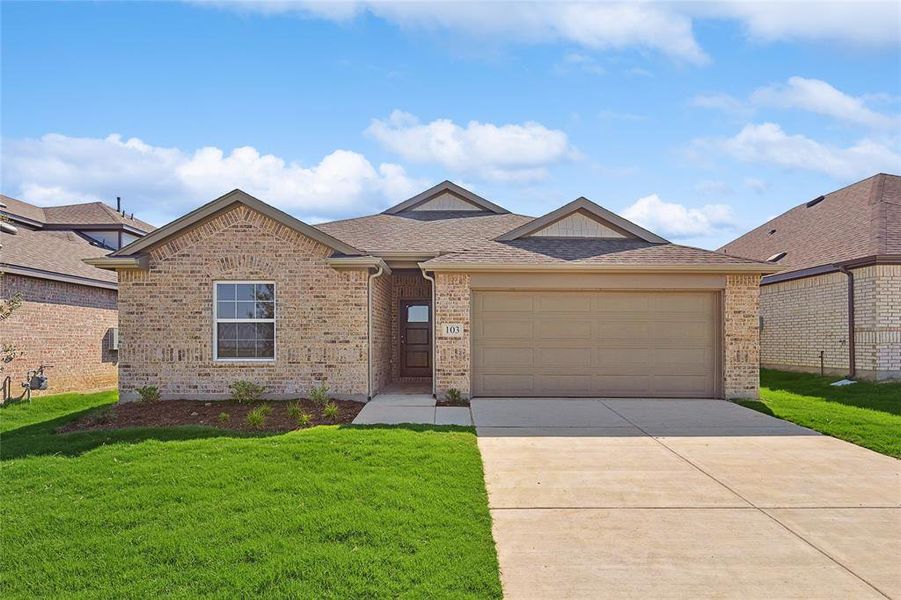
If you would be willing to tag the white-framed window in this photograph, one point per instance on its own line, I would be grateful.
(244, 320)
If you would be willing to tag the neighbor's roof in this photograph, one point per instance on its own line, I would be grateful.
(88, 213)
(859, 221)
(53, 255)
(556, 252)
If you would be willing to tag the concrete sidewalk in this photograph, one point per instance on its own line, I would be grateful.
(395, 409)
(683, 499)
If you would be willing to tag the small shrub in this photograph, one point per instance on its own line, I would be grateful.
(330, 411)
(256, 418)
(148, 393)
(453, 395)
(224, 417)
(294, 410)
(246, 392)
(319, 394)
(304, 419)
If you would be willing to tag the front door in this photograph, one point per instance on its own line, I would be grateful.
(415, 338)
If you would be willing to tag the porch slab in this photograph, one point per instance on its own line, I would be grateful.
(453, 415)
(402, 400)
(374, 414)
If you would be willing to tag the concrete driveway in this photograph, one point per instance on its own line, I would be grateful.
(683, 499)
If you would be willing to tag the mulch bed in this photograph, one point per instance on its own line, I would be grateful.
(446, 402)
(171, 413)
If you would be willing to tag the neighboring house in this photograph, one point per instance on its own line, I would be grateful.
(445, 288)
(68, 308)
(838, 253)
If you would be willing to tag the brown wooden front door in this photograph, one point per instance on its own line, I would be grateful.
(415, 338)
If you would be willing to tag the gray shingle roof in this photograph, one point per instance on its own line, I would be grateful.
(57, 252)
(559, 251)
(858, 221)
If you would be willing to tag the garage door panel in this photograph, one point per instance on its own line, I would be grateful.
(604, 344)
(505, 328)
(500, 385)
(504, 302)
(579, 303)
(569, 359)
(562, 328)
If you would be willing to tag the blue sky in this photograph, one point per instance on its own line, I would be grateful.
(698, 120)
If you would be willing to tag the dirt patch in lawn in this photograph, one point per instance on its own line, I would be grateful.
(171, 413)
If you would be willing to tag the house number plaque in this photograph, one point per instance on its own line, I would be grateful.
(453, 330)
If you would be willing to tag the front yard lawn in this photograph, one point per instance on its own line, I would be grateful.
(364, 512)
(867, 414)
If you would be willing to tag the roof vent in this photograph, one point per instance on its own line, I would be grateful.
(816, 201)
(772, 231)
(777, 257)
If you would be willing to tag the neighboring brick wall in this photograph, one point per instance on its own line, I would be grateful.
(166, 314)
(61, 324)
(452, 356)
(406, 285)
(382, 333)
(741, 343)
(802, 317)
(877, 312)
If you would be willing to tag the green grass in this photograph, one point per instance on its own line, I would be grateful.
(867, 414)
(364, 512)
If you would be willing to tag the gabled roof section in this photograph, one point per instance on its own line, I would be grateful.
(607, 220)
(223, 202)
(855, 222)
(447, 191)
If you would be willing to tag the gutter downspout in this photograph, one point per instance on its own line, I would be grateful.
(369, 324)
(434, 349)
(852, 354)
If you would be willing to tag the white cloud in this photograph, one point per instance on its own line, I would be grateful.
(820, 97)
(161, 183)
(812, 95)
(678, 221)
(591, 25)
(860, 23)
(769, 144)
(495, 152)
(581, 62)
(756, 185)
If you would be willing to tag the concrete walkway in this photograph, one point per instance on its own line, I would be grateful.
(683, 499)
(395, 409)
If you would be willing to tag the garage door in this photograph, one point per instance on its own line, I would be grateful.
(613, 344)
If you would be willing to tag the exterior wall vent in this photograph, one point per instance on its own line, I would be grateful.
(113, 338)
(816, 201)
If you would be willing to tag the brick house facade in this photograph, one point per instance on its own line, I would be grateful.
(821, 246)
(351, 299)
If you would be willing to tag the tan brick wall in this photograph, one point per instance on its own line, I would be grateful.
(166, 313)
(61, 324)
(452, 357)
(805, 316)
(383, 335)
(741, 342)
(887, 334)
(406, 285)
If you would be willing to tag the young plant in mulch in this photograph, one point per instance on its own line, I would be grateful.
(148, 393)
(330, 412)
(319, 394)
(246, 392)
(453, 397)
(304, 420)
(256, 418)
(224, 418)
(294, 409)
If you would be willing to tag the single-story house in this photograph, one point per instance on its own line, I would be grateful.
(446, 289)
(67, 317)
(839, 255)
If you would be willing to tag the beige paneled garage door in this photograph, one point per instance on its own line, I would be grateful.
(613, 344)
